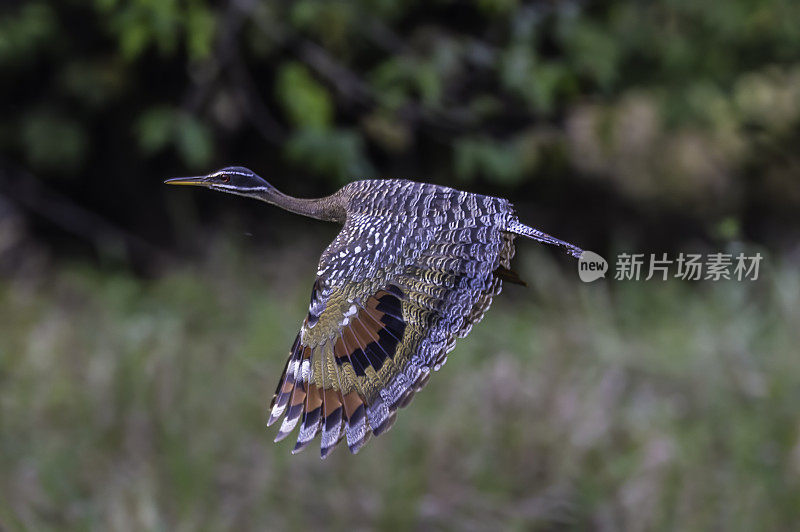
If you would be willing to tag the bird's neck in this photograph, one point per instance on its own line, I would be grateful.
(330, 208)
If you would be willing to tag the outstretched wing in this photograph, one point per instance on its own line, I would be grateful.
(372, 337)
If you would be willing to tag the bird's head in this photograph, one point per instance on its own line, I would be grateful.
(232, 179)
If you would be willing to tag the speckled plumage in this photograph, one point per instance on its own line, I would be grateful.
(413, 269)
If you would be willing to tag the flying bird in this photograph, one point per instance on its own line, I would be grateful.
(414, 267)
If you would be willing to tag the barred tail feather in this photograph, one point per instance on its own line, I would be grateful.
(312, 418)
(356, 429)
(286, 384)
(519, 228)
(332, 421)
(296, 403)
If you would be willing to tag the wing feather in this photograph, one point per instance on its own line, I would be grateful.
(387, 306)
(312, 418)
(331, 408)
(286, 384)
(356, 429)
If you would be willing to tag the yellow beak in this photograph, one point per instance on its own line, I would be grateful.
(197, 181)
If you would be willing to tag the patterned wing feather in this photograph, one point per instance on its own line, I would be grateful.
(394, 291)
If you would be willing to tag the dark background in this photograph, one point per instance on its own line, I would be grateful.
(144, 326)
(663, 122)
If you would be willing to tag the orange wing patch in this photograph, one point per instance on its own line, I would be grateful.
(372, 335)
(368, 339)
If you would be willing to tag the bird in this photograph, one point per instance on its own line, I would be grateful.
(413, 268)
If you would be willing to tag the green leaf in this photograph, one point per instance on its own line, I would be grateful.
(594, 52)
(496, 161)
(306, 102)
(337, 153)
(200, 30)
(154, 129)
(28, 30)
(194, 141)
(133, 39)
(161, 127)
(428, 84)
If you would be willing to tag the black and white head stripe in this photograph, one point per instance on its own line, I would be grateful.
(234, 170)
(237, 180)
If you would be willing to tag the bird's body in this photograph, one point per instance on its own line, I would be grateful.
(414, 267)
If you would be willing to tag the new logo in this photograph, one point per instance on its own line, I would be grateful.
(591, 266)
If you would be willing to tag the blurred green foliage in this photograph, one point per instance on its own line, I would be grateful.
(307, 103)
(162, 24)
(166, 127)
(130, 404)
(685, 105)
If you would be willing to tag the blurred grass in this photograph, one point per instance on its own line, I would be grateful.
(129, 404)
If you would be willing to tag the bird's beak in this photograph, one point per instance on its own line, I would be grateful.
(202, 181)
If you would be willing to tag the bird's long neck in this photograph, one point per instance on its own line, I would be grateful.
(330, 208)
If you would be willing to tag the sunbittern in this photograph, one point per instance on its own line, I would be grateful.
(414, 267)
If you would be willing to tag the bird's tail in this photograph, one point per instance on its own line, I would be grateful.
(519, 228)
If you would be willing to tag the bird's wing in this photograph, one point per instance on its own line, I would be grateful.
(373, 334)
